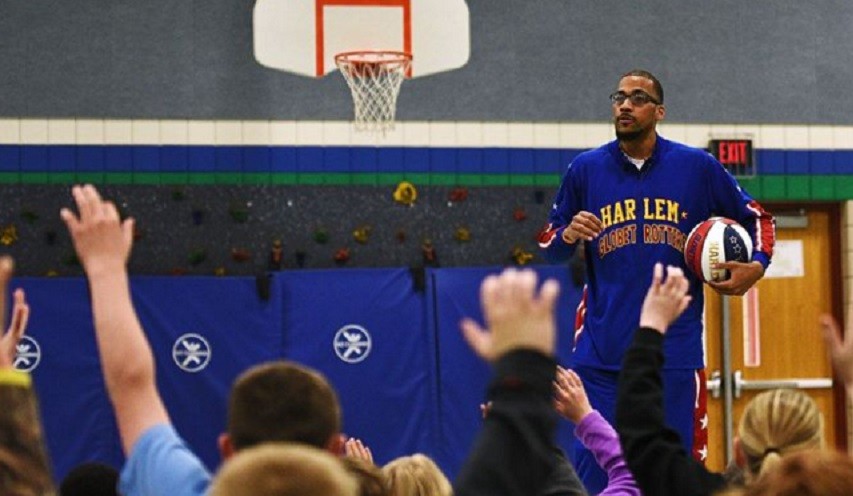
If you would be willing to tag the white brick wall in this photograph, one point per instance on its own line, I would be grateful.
(411, 133)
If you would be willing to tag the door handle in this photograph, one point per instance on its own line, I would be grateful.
(739, 384)
(714, 384)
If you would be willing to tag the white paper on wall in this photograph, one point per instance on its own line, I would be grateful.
(787, 259)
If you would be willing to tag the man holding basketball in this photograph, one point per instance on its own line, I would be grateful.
(633, 201)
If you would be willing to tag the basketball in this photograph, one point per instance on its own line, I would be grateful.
(716, 240)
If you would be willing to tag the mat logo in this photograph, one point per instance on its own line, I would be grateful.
(191, 353)
(352, 343)
(27, 354)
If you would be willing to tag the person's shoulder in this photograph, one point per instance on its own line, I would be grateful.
(687, 157)
(684, 149)
(604, 150)
(160, 458)
(595, 155)
(156, 434)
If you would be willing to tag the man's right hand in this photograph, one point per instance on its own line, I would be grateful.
(584, 226)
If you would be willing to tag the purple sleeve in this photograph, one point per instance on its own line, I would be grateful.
(599, 437)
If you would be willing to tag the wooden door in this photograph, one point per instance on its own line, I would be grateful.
(790, 342)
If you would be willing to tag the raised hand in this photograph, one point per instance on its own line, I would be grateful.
(665, 300)
(7, 268)
(103, 244)
(17, 328)
(101, 239)
(20, 315)
(485, 408)
(570, 397)
(354, 448)
(516, 315)
(840, 350)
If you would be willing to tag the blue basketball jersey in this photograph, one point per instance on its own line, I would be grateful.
(646, 214)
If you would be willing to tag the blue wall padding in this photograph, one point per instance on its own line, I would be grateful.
(242, 330)
(389, 398)
(78, 418)
(462, 376)
(418, 389)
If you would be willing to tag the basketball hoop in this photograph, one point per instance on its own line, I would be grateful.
(374, 78)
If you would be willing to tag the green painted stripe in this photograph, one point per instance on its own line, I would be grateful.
(800, 187)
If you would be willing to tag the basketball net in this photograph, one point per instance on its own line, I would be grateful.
(374, 79)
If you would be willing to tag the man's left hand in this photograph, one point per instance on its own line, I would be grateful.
(742, 276)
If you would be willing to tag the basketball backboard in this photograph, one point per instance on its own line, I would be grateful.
(303, 36)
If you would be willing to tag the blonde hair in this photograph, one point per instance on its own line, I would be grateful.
(415, 475)
(371, 482)
(776, 423)
(807, 473)
(24, 466)
(279, 469)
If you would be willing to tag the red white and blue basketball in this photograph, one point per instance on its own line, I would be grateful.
(716, 240)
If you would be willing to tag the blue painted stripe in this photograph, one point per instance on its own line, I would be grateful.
(356, 159)
(90, 158)
(201, 159)
(797, 162)
(842, 163)
(61, 159)
(256, 158)
(821, 162)
(283, 159)
(443, 160)
(548, 162)
(229, 159)
(388, 159)
(470, 160)
(118, 158)
(146, 158)
(10, 158)
(416, 160)
(308, 159)
(174, 158)
(522, 161)
(770, 162)
(496, 161)
(364, 160)
(34, 159)
(335, 159)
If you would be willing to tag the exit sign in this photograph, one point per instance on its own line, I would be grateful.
(735, 155)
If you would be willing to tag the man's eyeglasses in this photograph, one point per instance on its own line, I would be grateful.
(637, 98)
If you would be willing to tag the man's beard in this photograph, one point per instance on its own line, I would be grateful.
(632, 135)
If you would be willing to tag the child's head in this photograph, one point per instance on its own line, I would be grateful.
(776, 423)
